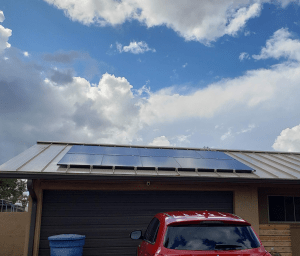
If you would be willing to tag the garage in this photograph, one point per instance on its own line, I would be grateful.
(108, 217)
(107, 191)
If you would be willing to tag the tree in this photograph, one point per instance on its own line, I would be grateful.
(12, 190)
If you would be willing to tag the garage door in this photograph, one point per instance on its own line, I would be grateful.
(107, 218)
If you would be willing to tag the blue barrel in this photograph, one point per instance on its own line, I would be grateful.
(66, 245)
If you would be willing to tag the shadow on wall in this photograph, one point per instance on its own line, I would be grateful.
(13, 226)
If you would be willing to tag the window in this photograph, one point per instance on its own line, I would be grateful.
(284, 208)
(210, 237)
(152, 230)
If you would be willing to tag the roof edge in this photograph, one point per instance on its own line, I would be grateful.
(164, 147)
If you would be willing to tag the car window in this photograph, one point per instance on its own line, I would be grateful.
(205, 237)
(152, 230)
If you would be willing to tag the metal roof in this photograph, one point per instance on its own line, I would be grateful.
(41, 161)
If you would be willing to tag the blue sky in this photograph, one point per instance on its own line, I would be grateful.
(218, 74)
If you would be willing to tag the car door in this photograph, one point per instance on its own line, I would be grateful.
(148, 246)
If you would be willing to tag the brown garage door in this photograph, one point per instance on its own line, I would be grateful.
(107, 218)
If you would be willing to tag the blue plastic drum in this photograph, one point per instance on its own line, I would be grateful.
(66, 245)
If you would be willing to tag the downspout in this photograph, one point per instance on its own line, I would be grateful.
(33, 216)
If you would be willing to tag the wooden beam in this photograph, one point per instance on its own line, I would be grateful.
(39, 193)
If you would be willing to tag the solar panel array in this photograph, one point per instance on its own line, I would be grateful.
(150, 158)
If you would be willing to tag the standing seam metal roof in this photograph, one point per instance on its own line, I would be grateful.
(43, 157)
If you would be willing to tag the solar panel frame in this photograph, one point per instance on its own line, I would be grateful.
(127, 157)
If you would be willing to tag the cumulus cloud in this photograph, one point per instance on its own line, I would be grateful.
(61, 77)
(280, 45)
(244, 56)
(205, 22)
(135, 47)
(160, 141)
(112, 111)
(5, 33)
(288, 140)
(250, 90)
(33, 108)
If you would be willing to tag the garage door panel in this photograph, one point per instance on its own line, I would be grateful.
(107, 218)
(129, 213)
(109, 251)
(59, 196)
(104, 242)
(121, 220)
(130, 208)
(101, 233)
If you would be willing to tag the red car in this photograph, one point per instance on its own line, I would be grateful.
(192, 233)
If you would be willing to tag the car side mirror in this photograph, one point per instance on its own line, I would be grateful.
(137, 234)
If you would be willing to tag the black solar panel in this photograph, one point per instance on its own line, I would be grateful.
(81, 159)
(160, 161)
(151, 157)
(121, 161)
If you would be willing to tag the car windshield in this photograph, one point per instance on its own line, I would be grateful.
(210, 237)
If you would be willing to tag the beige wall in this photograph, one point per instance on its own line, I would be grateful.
(27, 228)
(12, 233)
(246, 205)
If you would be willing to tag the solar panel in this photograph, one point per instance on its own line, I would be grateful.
(150, 157)
(100, 150)
(81, 159)
(121, 161)
(214, 155)
(80, 149)
(121, 151)
(168, 152)
(160, 161)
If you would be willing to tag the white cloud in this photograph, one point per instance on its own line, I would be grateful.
(26, 54)
(113, 112)
(160, 141)
(5, 33)
(280, 45)
(204, 22)
(2, 18)
(244, 56)
(288, 140)
(184, 65)
(247, 33)
(183, 139)
(227, 135)
(135, 47)
(249, 129)
(245, 91)
(241, 16)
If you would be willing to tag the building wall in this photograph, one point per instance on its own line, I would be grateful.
(294, 228)
(27, 228)
(245, 196)
(13, 226)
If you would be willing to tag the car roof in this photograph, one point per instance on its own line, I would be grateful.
(186, 216)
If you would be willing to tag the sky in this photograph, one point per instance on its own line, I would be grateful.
(211, 73)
